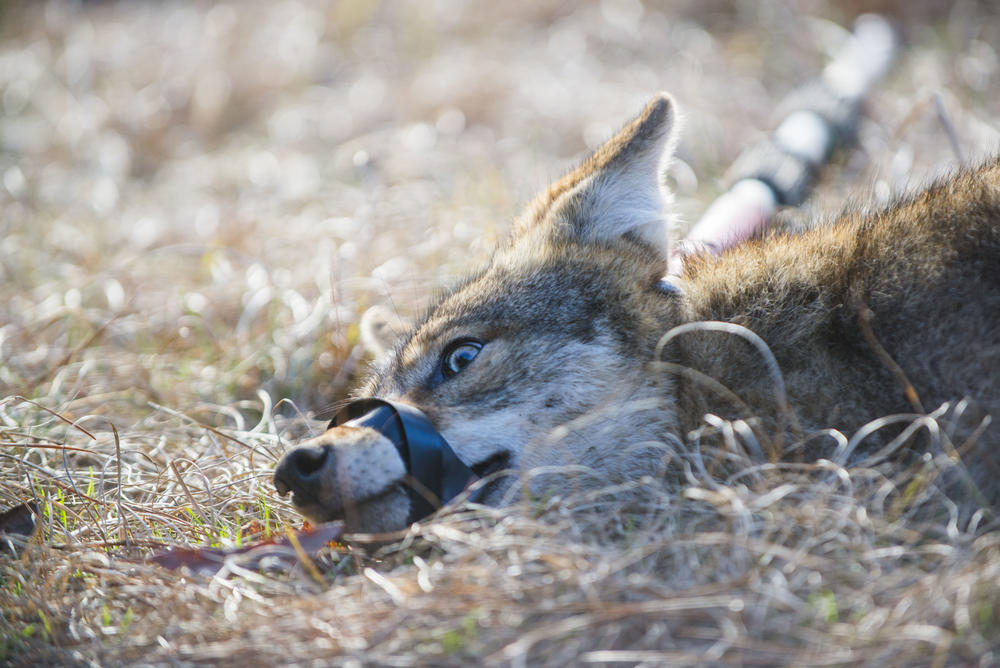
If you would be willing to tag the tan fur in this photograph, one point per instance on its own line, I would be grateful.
(895, 311)
(928, 270)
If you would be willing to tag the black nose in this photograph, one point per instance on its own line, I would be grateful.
(300, 470)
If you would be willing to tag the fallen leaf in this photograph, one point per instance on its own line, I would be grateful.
(273, 553)
(18, 522)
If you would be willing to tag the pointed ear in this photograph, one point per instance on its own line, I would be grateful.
(381, 329)
(618, 190)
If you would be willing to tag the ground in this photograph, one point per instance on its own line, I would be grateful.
(199, 200)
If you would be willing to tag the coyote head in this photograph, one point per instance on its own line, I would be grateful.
(539, 361)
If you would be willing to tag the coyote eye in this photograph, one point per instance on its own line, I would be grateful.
(458, 355)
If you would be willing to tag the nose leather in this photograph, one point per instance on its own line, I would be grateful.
(301, 471)
(427, 456)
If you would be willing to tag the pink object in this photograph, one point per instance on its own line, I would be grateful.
(736, 216)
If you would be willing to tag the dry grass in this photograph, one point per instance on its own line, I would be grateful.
(199, 201)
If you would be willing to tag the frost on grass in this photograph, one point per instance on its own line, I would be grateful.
(198, 203)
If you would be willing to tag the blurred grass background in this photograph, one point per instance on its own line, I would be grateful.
(207, 195)
(198, 200)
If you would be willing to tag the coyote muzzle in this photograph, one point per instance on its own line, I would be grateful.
(433, 475)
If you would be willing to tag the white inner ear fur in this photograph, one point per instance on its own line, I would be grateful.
(630, 201)
(628, 195)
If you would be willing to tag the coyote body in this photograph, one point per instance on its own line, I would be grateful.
(564, 358)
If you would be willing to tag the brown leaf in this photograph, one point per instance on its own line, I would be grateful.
(17, 521)
(278, 552)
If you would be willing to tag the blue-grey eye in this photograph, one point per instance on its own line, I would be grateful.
(458, 355)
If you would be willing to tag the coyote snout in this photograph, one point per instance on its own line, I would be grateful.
(425, 461)
(350, 473)
(555, 360)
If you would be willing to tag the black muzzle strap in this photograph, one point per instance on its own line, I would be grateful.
(427, 456)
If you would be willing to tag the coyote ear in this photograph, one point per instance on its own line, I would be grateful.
(619, 189)
(381, 330)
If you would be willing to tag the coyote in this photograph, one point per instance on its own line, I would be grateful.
(567, 355)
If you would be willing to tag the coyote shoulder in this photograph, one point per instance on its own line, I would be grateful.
(565, 353)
